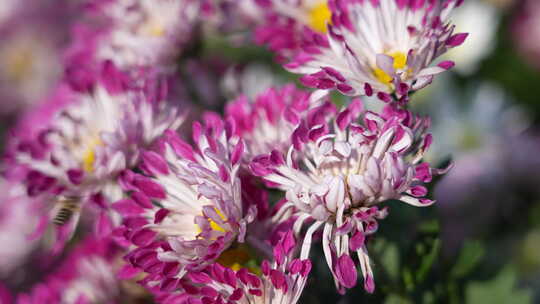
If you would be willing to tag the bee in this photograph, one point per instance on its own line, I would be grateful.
(67, 207)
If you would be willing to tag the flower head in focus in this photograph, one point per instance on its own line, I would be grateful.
(344, 170)
(383, 46)
(197, 212)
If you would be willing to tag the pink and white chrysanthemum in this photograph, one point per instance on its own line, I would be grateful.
(89, 142)
(147, 33)
(86, 275)
(345, 169)
(268, 122)
(281, 281)
(197, 211)
(291, 24)
(380, 46)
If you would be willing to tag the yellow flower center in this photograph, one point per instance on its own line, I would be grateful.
(319, 16)
(153, 28)
(215, 225)
(239, 256)
(400, 62)
(19, 64)
(89, 154)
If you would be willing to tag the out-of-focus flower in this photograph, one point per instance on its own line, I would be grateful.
(198, 212)
(79, 155)
(132, 33)
(344, 171)
(289, 23)
(250, 80)
(481, 136)
(481, 20)
(30, 54)
(484, 120)
(88, 274)
(281, 281)
(269, 121)
(382, 47)
(17, 222)
(526, 29)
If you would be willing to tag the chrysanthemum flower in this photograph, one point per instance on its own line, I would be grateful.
(290, 24)
(281, 281)
(134, 33)
(88, 274)
(197, 211)
(268, 122)
(84, 148)
(342, 172)
(382, 46)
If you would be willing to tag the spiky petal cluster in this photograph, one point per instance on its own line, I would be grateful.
(198, 211)
(380, 46)
(94, 138)
(281, 281)
(344, 170)
(267, 123)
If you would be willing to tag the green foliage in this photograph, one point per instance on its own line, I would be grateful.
(501, 289)
(471, 254)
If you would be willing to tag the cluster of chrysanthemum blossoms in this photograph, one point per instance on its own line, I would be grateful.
(184, 209)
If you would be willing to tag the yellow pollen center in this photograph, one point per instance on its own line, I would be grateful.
(319, 16)
(153, 28)
(19, 64)
(237, 257)
(400, 62)
(89, 154)
(215, 225)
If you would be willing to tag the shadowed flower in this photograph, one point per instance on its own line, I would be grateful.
(279, 282)
(383, 46)
(343, 170)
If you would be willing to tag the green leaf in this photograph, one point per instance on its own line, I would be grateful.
(395, 299)
(470, 256)
(500, 289)
(428, 260)
(390, 260)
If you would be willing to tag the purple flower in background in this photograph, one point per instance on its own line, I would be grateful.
(33, 37)
(344, 169)
(526, 29)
